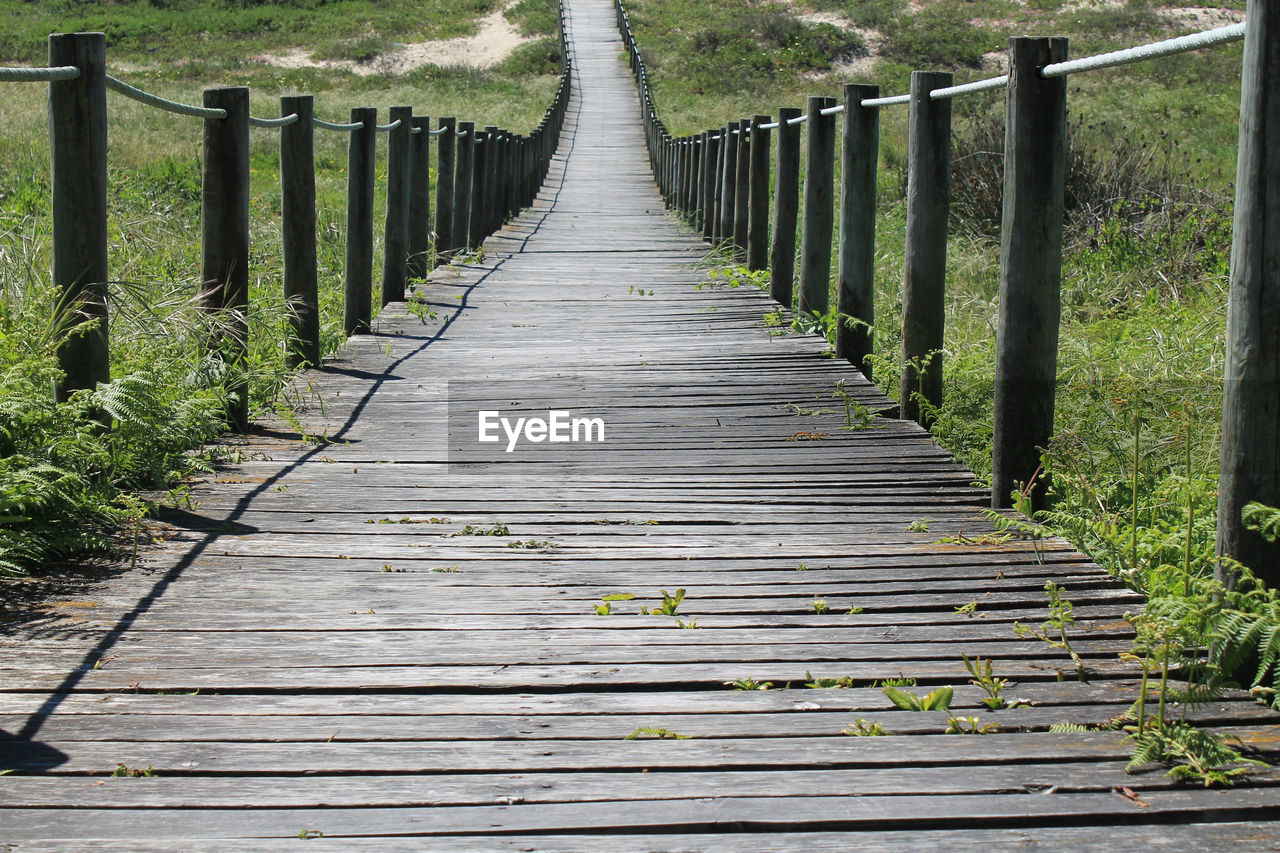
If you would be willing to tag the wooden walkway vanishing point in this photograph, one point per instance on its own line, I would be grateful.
(322, 649)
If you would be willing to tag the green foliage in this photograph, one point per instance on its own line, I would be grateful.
(940, 35)
(655, 732)
(1263, 519)
(1054, 630)
(533, 17)
(865, 728)
(994, 687)
(843, 681)
(168, 30)
(1192, 755)
(935, 700)
(750, 683)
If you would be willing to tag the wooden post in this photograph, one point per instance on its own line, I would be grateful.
(481, 155)
(78, 160)
(695, 187)
(925, 265)
(758, 203)
(819, 213)
(395, 241)
(494, 156)
(1030, 267)
(717, 193)
(729, 183)
(445, 144)
(855, 274)
(786, 203)
(686, 180)
(298, 231)
(462, 186)
(224, 237)
(361, 151)
(420, 198)
(711, 158)
(742, 190)
(1250, 466)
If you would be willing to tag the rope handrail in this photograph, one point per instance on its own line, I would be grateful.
(117, 85)
(333, 125)
(966, 88)
(39, 75)
(283, 121)
(1168, 47)
(384, 128)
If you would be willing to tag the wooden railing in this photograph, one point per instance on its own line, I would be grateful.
(719, 181)
(483, 177)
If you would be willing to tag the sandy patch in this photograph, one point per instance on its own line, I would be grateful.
(1203, 17)
(493, 42)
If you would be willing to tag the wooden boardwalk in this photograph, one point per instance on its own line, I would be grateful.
(322, 647)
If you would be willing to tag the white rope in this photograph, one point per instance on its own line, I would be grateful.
(800, 119)
(886, 102)
(830, 111)
(966, 88)
(1182, 44)
(39, 75)
(333, 125)
(283, 121)
(162, 103)
(438, 131)
(388, 127)
(769, 126)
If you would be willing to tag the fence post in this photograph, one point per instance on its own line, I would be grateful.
(786, 204)
(819, 204)
(495, 141)
(925, 263)
(78, 162)
(1250, 462)
(710, 159)
(420, 198)
(445, 143)
(224, 237)
(395, 241)
(361, 150)
(1030, 267)
(462, 186)
(742, 190)
(729, 183)
(856, 270)
(717, 189)
(480, 155)
(758, 205)
(298, 231)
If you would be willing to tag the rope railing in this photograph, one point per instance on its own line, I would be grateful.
(719, 181)
(38, 75)
(283, 121)
(338, 126)
(117, 85)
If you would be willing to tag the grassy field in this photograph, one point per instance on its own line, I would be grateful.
(63, 489)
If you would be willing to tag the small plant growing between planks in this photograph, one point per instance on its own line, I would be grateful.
(657, 733)
(1054, 630)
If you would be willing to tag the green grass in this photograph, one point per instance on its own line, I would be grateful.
(228, 31)
(63, 488)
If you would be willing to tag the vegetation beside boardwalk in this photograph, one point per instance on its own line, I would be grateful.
(1134, 461)
(68, 471)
